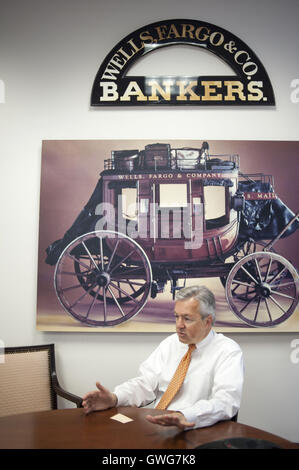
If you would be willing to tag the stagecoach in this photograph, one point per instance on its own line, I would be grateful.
(161, 216)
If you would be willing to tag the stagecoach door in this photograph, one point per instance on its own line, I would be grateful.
(178, 211)
(171, 205)
(160, 212)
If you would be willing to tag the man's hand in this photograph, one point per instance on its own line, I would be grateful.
(100, 399)
(171, 419)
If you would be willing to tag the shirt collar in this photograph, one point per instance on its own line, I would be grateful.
(206, 340)
(202, 344)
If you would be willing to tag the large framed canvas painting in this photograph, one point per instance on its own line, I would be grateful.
(125, 224)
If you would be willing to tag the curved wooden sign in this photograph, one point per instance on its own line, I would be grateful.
(249, 84)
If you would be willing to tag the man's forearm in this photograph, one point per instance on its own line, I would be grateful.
(134, 393)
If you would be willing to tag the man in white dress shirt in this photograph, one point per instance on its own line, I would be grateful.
(212, 387)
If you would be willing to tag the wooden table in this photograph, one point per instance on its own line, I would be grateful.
(72, 429)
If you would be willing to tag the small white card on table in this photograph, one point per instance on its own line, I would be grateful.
(121, 418)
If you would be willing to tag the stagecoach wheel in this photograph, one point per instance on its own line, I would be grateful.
(250, 246)
(270, 283)
(103, 278)
(84, 262)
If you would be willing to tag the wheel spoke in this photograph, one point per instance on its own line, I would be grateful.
(277, 274)
(235, 288)
(258, 269)
(92, 303)
(105, 304)
(65, 289)
(101, 251)
(113, 253)
(115, 300)
(286, 284)
(277, 303)
(235, 281)
(241, 295)
(249, 302)
(268, 270)
(82, 296)
(132, 286)
(90, 256)
(249, 275)
(282, 295)
(122, 291)
(268, 310)
(80, 262)
(257, 309)
(122, 261)
(129, 282)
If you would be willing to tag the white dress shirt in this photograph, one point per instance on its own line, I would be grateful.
(212, 387)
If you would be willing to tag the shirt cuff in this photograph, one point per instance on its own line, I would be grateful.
(121, 398)
(189, 415)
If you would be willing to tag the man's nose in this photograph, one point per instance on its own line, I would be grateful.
(180, 323)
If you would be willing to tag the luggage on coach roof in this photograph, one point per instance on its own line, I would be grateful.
(156, 157)
(127, 160)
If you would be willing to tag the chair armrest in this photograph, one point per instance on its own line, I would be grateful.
(63, 393)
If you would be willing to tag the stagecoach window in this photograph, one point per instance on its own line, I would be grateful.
(173, 195)
(129, 203)
(214, 205)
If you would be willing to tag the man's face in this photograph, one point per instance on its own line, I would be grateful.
(190, 326)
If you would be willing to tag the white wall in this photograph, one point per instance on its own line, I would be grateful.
(49, 55)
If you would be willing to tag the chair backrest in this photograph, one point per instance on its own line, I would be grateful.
(25, 380)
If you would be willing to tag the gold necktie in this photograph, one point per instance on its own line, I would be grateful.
(177, 380)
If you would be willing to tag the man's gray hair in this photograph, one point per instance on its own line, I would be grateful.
(205, 298)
